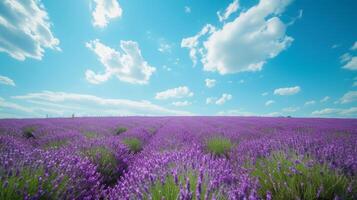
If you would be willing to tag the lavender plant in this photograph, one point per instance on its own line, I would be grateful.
(179, 158)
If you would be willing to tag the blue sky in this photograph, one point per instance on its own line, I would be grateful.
(227, 57)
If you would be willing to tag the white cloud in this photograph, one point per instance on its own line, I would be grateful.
(291, 109)
(351, 64)
(335, 46)
(25, 29)
(349, 97)
(210, 100)
(210, 82)
(224, 98)
(187, 9)
(192, 42)
(128, 65)
(236, 112)
(336, 112)
(345, 57)
(219, 101)
(179, 92)
(165, 67)
(104, 11)
(265, 94)
(354, 46)
(354, 84)
(307, 103)
(326, 111)
(232, 8)
(326, 98)
(164, 46)
(11, 105)
(269, 102)
(246, 43)
(181, 103)
(287, 91)
(6, 81)
(85, 104)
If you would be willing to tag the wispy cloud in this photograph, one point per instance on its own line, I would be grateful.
(349, 61)
(287, 91)
(181, 103)
(269, 102)
(349, 97)
(6, 81)
(85, 104)
(187, 9)
(232, 8)
(307, 103)
(336, 112)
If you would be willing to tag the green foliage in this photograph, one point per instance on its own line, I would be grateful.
(120, 130)
(90, 134)
(28, 180)
(219, 146)
(152, 130)
(28, 132)
(288, 177)
(55, 144)
(107, 164)
(133, 144)
(169, 190)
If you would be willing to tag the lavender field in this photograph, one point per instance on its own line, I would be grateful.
(178, 158)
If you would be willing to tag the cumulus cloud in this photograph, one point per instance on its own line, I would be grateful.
(265, 94)
(192, 43)
(307, 103)
(25, 29)
(85, 104)
(232, 8)
(128, 65)
(349, 97)
(210, 82)
(269, 102)
(244, 44)
(6, 81)
(287, 91)
(179, 92)
(104, 11)
(181, 103)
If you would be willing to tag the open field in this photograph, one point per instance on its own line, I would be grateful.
(178, 158)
